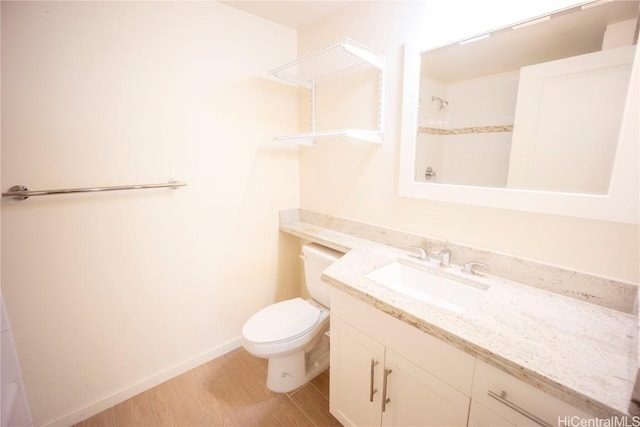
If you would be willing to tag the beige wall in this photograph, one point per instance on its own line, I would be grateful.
(110, 293)
(358, 181)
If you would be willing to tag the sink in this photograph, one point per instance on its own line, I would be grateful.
(436, 288)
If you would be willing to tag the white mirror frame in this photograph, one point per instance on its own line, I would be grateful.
(621, 204)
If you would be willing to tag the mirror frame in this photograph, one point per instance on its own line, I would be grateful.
(621, 204)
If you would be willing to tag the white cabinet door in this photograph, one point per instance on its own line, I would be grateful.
(417, 398)
(479, 416)
(356, 385)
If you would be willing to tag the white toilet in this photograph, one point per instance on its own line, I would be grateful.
(291, 333)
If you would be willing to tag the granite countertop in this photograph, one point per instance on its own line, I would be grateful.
(580, 352)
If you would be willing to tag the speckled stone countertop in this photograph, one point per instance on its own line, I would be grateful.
(583, 353)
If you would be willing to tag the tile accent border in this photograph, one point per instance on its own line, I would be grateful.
(462, 131)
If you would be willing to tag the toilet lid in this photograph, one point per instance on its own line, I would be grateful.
(282, 321)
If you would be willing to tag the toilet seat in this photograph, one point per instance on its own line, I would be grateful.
(281, 322)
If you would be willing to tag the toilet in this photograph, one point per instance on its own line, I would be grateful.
(291, 333)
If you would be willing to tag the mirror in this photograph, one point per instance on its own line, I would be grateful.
(534, 112)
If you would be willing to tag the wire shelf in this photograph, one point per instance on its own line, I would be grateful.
(308, 138)
(339, 56)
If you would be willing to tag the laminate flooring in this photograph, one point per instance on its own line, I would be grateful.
(228, 391)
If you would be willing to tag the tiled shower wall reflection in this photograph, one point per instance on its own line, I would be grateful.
(467, 141)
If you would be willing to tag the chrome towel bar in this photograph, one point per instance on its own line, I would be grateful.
(21, 192)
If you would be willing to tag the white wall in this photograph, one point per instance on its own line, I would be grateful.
(360, 182)
(483, 101)
(110, 293)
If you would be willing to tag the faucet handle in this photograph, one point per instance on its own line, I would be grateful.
(419, 253)
(445, 257)
(469, 267)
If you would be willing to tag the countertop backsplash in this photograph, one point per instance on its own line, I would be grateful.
(617, 295)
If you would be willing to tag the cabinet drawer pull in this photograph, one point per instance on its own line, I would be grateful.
(387, 372)
(372, 391)
(502, 398)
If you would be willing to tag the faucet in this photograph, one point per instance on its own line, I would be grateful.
(445, 257)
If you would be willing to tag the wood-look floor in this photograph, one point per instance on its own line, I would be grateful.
(228, 391)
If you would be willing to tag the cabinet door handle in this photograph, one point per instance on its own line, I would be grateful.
(387, 372)
(372, 391)
(502, 398)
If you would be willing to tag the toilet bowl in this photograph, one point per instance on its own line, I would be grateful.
(291, 334)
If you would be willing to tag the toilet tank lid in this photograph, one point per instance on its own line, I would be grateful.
(281, 321)
(321, 251)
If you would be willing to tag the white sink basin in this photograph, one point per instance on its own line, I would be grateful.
(420, 283)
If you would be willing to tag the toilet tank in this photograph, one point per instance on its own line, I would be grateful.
(316, 259)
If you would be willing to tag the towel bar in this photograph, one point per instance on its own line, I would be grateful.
(22, 192)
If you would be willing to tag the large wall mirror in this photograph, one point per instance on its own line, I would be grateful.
(539, 116)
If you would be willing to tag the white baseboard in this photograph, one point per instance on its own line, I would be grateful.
(122, 395)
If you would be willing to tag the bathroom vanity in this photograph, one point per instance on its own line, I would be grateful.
(413, 378)
(512, 354)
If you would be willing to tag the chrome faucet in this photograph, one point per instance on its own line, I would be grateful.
(445, 257)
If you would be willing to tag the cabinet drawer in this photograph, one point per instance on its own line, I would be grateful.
(516, 401)
(449, 364)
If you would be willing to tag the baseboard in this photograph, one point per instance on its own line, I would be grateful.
(112, 400)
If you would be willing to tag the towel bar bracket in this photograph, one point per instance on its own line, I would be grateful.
(19, 188)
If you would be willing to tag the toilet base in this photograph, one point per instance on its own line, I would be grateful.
(286, 373)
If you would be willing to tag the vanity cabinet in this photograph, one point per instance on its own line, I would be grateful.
(373, 385)
(385, 372)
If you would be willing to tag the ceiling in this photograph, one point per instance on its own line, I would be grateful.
(292, 13)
